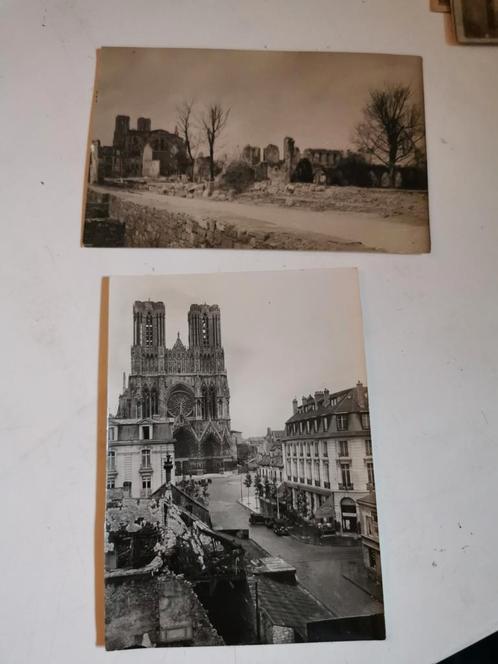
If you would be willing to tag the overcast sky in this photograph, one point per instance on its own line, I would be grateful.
(285, 334)
(316, 98)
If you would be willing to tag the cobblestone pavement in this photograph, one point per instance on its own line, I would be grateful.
(319, 568)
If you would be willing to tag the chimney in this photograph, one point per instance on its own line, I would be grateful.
(361, 395)
(294, 405)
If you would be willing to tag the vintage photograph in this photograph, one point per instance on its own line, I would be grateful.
(476, 21)
(257, 150)
(240, 503)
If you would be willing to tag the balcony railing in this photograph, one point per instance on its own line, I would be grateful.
(345, 487)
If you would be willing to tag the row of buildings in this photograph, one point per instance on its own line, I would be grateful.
(321, 468)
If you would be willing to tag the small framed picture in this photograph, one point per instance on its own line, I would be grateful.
(441, 6)
(476, 21)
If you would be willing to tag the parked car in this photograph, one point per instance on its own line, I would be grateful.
(255, 519)
(280, 530)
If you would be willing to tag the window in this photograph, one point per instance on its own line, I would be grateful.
(326, 474)
(294, 449)
(146, 487)
(308, 449)
(111, 460)
(365, 421)
(288, 448)
(325, 423)
(146, 432)
(317, 450)
(112, 433)
(300, 449)
(324, 448)
(371, 476)
(343, 448)
(372, 562)
(342, 422)
(346, 475)
(146, 458)
(368, 447)
(148, 330)
(205, 330)
(111, 484)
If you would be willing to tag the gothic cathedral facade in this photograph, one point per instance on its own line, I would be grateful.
(181, 392)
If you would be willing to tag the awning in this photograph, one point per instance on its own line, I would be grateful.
(326, 510)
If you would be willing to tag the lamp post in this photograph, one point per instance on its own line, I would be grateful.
(168, 467)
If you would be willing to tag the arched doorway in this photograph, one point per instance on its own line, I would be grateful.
(303, 172)
(210, 452)
(348, 515)
(185, 448)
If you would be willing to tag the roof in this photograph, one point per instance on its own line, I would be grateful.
(289, 604)
(368, 499)
(347, 402)
(178, 345)
(272, 565)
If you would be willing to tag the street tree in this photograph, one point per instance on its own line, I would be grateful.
(248, 484)
(212, 121)
(188, 130)
(392, 129)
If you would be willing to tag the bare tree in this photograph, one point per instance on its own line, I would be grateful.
(392, 128)
(185, 121)
(213, 121)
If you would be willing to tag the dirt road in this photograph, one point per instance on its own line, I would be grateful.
(393, 235)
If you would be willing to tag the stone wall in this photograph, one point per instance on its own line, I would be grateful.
(143, 610)
(144, 226)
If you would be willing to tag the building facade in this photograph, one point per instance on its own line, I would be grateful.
(327, 454)
(176, 402)
(367, 507)
(140, 152)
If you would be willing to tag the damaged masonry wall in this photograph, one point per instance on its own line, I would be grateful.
(156, 605)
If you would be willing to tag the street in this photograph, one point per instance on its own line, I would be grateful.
(319, 568)
(393, 235)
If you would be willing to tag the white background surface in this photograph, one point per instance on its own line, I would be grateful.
(431, 326)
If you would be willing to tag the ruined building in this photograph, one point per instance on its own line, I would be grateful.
(176, 402)
(138, 152)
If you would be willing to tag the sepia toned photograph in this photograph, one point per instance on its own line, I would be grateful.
(476, 21)
(241, 500)
(257, 150)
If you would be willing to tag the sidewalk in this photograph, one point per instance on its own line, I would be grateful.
(250, 504)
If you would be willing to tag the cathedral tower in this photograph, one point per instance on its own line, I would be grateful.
(148, 350)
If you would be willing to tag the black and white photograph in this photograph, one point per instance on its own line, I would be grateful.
(476, 21)
(257, 150)
(241, 502)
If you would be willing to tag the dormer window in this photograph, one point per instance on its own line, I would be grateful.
(342, 422)
(365, 421)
